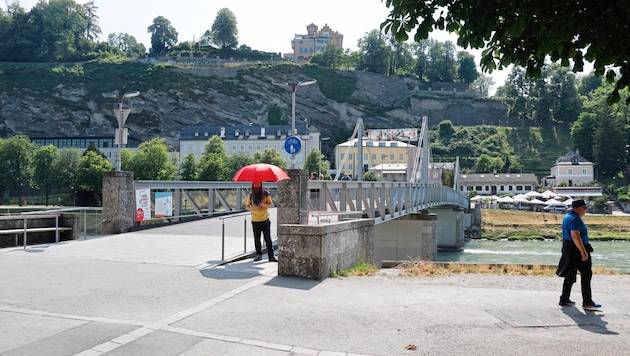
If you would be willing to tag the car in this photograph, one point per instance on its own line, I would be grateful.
(555, 208)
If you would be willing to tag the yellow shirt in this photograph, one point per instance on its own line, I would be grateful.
(259, 214)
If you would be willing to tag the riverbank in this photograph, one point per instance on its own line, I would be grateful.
(524, 225)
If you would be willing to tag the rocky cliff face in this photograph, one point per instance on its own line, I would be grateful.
(172, 98)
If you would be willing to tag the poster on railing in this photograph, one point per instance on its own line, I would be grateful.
(163, 204)
(143, 204)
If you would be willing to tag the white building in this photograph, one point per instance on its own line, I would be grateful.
(496, 184)
(571, 170)
(248, 139)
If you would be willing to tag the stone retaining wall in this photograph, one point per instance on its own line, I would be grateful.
(314, 251)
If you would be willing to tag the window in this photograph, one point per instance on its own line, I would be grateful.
(401, 157)
(393, 144)
(350, 155)
(486, 188)
(343, 155)
(570, 171)
(370, 144)
(391, 156)
(502, 188)
(519, 187)
(528, 187)
(510, 188)
(381, 144)
(373, 156)
(583, 170)
(478, 188)
(365, 156)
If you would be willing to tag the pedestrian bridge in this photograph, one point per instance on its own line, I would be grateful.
(381, 201)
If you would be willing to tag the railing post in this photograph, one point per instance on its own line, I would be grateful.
(244, 234)
(56, 229)
(25, 227)
(84, 224)
(223, 240)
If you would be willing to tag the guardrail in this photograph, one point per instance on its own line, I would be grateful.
(26, 229)
(378, 200)
(381, 201)
(90, 218)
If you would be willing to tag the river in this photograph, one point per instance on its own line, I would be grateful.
(610, 254)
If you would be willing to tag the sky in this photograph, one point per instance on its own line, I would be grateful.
(262, 25)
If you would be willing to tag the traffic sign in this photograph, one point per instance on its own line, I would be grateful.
(293, 145)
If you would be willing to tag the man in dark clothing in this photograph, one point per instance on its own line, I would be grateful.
(576, 256)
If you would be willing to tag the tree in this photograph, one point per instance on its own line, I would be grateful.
(482, 85)
(188, 168)
(92, 29)
(526, 33)
(16, 158)
(315, 162)
(238, 161)
(271, 156)
(213, 165)
(163, 35)
(152, 161)
(483, 164)
(126, 43)
(67, 168)
(45, 169)
(375, 54)
(332, 57)
(90, 172)
(441, 65)
(402, 61)
(467, 70)
(224, 30)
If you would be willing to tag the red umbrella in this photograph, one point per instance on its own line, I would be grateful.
(260, 172)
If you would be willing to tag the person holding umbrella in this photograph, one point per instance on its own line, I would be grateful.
(258, 202)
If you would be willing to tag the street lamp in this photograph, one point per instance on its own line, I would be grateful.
(320, 152)
(294, 87)
(121, 116)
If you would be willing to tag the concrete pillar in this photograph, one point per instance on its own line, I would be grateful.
(409, 237)
(118, 202)
(450, 228)
(293, 198)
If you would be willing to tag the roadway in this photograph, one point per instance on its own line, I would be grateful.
(164, 292)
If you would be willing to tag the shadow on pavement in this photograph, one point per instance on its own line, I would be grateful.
(590, 321)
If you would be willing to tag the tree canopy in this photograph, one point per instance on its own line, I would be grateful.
(163, 35)
(526, 33)
(224, 31)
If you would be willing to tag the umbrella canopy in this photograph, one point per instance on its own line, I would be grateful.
(536, 201)
(260, 172)
(549, 194)
(476, 198)
(520, 199)
(505, 199)
(533, 194)
(553, 202)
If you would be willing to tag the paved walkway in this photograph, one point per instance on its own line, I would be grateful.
(163, 292)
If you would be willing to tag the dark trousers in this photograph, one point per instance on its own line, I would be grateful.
(263, 227)
(586, 273)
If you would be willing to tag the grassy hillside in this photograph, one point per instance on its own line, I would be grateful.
(532, 149)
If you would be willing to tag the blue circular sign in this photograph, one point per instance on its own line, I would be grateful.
(293, 145)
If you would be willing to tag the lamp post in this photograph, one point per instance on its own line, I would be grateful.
(294, 87)
(320, 152)
(121, 117)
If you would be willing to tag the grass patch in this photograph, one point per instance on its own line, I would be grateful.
(362, 269)
(526, 225)
(415, 269)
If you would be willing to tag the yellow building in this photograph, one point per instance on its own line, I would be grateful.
(383, 154)
(315, 41)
